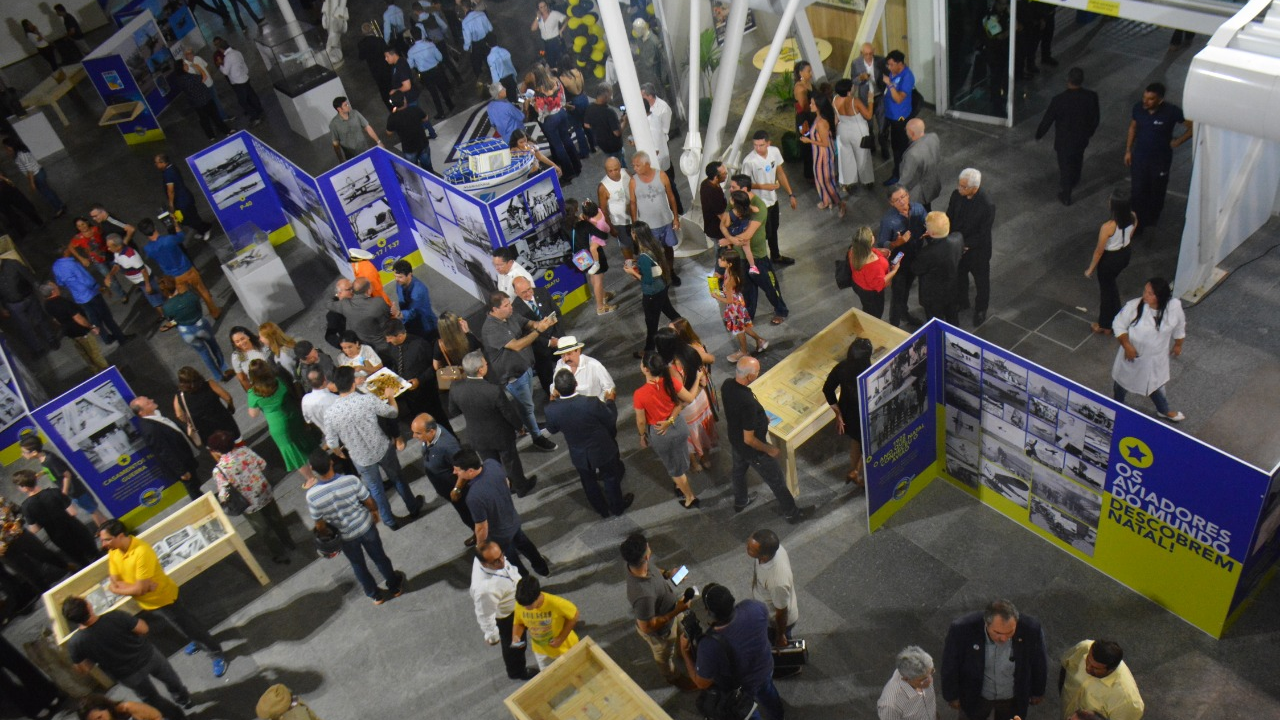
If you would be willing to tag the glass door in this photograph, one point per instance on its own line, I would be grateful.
(975, 66)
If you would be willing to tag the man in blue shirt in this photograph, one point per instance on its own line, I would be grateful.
(901, 229)
(898, 106)
(86, 291)
(505, 117)
(415, 302)
(475, 36)
(503, 70)
(392, 23)
(489, 499)
(743, 629)
(167, 252)
(428, 61)
(178, 197)
(1149, 152)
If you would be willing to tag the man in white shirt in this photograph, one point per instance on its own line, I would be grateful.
(909, 693)
(493, 590)
(234, 67)
(504, 263)
(660, 126)
(593, 379)
(549, 24)
(772, 584)
(764, 165)
(196, 65)
(318, 399)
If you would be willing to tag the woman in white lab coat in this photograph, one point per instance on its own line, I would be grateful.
(1149, 329)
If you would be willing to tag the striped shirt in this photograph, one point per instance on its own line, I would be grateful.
(27, 163)
(900, 701)
(339, 501)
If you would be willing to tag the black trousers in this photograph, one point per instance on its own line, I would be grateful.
(181, 619)
(771, 227)
(675, 186)
(980, 268)
(655, 304)
(603, 485)
(14, 205)
(210, 121)
(999, 709)
(900, 295)
(444, 485)
(34, 562)
(23, 682)
(520, 544)
(1148, 183)
(1109, 268)
(510, 460)
(872, 302)
(1070, 165)
(248, 99)
(191, 218)
(480, 57)
(898, 140)
(513, 658)
(433, 81)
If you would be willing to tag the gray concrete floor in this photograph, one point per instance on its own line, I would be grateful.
(863, 597)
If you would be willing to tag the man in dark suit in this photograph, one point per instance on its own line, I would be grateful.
(492, 420)
(972, 215)
(590, 428)
(1075, 112)
(532, 304)
(169, 442)
(936, 264)
(1014, 645)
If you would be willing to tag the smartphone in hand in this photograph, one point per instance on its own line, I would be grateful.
(898, 258)
(680, 574)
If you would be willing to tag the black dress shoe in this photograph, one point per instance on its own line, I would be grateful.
(675, 280)
(421, 501)
(799, 514)
(533, 481)
(913, 320)
(979, 318)
(783, 260)
(627, 501)
(544, 443)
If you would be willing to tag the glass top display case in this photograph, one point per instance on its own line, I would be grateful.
(295, 56)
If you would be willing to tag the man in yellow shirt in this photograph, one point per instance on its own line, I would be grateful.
(135, 571)
(1095, 678)
(550, 620)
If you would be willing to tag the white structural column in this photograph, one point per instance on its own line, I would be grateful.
(619, 40)
(808, 46)
(734, 157)
(866, 31)
(726, 75)
(693, 240)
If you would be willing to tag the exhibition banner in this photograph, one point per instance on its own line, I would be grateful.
(899, 426)
(1155, 509)
(93, 427)
(367, 205)
(299, 199)
(530, 218)
(15, 403)
(110, 76)
(232, 178)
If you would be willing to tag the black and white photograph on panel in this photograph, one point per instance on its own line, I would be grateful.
(898, 391)
(962, 376)
(1045, 453)
(1076, 468)
(541, 201)
(964, 351)
(357, 186)
(477, 266)
(1041, 429)
(446, 258)
(1070, 435)
(994, 366)
(995, 425)
(373, 222)
(1069, 530)
(961, 424)
(1010, 458)
(1103, 417)
(1066, 495)
(1013, 488)
(1044, 410)
(513, 217)
(544, 249)
(1015, 415)
(99, 424)
(415, 194)
(326, 237)
(963, 460)
(282, 179)
(963, 401)
(10, 407)
(470, 221)
(1046, 390)
(1003, 392)
(992, 406)
(439, 200)
(229, 173)
(1097, 445)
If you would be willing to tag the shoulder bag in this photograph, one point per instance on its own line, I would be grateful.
(328, 540)
(192, 433)
(235, 505)
(844, 271)
(717, 704)
(450, 373)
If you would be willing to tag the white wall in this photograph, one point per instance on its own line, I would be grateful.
(13, 42)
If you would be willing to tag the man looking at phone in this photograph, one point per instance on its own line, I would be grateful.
(654, 604)
(900, 231)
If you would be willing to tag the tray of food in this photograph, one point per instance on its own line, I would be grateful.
(377, 383)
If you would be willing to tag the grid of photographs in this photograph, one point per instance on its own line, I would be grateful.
(897, 393)
(230, 174)
(1027, 437)
(99, 425)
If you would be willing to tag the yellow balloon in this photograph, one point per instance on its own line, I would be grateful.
(589, 20)
(649, 10)
(597, 55)
(579, 43)
(599, 73)
(574, 24)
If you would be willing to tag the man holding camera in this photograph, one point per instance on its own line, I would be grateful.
(654, 605)
(734, 652)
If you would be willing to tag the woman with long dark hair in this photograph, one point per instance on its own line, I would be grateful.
(802, 91)
(204, 404)
(844, 378)
(820, 138)
(852, 118)
(550, 103)
(652, 269)
(246, 346)
(658, 405)
(1111, 257)
(871, 271)
(689, 363)
(1149, 329)
(269, 397)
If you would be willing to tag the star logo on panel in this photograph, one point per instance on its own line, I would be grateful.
(1136, 452)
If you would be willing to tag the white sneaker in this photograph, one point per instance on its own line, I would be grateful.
(1176, 417)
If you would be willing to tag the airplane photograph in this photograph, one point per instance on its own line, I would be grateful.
(229, 173)
(373, 222)
(357, 186)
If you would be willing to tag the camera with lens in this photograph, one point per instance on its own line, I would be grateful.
(167, 221)
(692, 628)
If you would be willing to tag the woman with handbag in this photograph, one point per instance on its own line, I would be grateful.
(651, 269)
(870, 271)
(820, 138)
(690, 364)
(241, 485)
(269, 397)
(203, 406)
(455, 342)
(844, 378)
(853, 137)
(587, 241)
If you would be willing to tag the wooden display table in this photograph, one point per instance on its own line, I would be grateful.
(51, 89)
(583, 684)
(791, 391)
(790, 55)
(192, 555)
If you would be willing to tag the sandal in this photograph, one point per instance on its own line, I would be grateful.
(1099, 330)
(734, 357)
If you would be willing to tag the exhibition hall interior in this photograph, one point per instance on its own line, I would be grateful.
(1010, 472)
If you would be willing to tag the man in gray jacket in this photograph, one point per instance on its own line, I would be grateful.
(921, 174)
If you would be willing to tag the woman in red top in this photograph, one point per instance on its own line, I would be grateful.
(549, 101)
(871, 270)
(657, 404)
(91, 250)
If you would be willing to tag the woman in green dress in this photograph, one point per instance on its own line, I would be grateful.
(268, 396)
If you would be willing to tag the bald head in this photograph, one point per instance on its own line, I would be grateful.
(421, 422)
(915, 129)
(748, 369)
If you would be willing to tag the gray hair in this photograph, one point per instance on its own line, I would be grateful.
(47, 290)
(114, 237)
(641, 156)
(972, 177)
(914, 662)
(649, 89)
(495, 90)
(999, 608)
(472, 362)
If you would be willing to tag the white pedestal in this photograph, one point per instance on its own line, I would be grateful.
(265, 290)
(310, 112)
(37, 133)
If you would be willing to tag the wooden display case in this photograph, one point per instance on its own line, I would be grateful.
(791, 391)
(583, 684)
(191, 516)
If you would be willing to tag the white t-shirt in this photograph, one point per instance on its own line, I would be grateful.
(773, 585)
(131, 266)
(619, 198)
(593, 379)
(763, 170)
(366, 356)
(506, 282)
(314, 404)
(550, 25)
(199, 62)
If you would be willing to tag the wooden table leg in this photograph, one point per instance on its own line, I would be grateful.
(57, 109)
(793, 478)
(249, 559)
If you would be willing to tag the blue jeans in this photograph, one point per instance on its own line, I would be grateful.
(422, 159)
(556, 126)
(201, 339)
(522, 390)
(770, 472)
(46, 191)
(770, 703)
(370, 544)
(103, 271)
(766, 280)
(586, 144)
(390, 464)
(97, 313)
(1157, 397)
